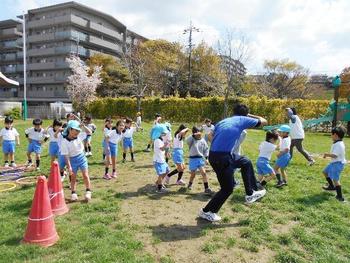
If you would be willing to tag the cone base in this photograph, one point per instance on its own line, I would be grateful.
(60, 211)
(44, 242)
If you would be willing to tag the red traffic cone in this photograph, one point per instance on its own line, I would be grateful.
(41, 228)
(54, 185)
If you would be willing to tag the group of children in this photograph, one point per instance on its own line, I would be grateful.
(70, 144)
(332, 172)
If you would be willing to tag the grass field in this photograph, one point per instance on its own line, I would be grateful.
(128, 222)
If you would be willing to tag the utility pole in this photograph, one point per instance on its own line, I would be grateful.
(25, 109)
(190, 45)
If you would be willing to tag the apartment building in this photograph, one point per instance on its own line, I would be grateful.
(54, 33)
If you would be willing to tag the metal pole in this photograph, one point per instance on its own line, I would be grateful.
(25, 110)
(189, 59)
(336, 98)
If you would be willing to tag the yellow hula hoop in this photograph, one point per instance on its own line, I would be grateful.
(12, 186)
(32, 180)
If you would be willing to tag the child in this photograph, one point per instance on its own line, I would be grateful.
(72, 149)
(128, 140)
(178, 155)
(139, 121)
(36, 136)
(106, 129)
(199, 152)
(160, 165)
(207, 128)
(53, 133)
(9, 136)
(154, 135)
(168, 140)
(283, 155)
(336, 166)
(87, 140)
(266, 148)
(112, 139)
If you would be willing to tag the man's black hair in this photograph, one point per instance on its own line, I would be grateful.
(240, 110)
(271, 135)
(340, 131)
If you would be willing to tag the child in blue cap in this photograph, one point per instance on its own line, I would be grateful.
(72, 148)
(8, 137)
(283, 155)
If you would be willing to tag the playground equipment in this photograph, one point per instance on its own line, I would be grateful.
(337, 111)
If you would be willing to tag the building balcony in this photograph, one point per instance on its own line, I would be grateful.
(8, 94)
(9, 33)
(46, 80)
(104, 44)
(47, 65)
(8, 57)
(109, 32)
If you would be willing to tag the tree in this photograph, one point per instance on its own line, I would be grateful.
(234, 52)
(207, 77)
(116, 79)
(163, 64)
(82, 83)
(284, 79)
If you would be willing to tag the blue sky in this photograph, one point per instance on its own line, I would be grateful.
(314, 33)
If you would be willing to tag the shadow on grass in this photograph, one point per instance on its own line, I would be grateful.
(14, 241)
(21, 208)
(312, 200)
(149, 190)
(178, 232)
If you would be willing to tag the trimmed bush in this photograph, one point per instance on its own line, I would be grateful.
(14, 112)
(195, 110)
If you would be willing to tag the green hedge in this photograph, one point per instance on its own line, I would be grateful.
(195, 110)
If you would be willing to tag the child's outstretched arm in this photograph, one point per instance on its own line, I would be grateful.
(331, 155)
(17, 140)
(86, 129)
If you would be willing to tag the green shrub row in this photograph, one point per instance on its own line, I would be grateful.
(195, 110)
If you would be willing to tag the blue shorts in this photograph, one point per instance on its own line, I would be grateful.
(61, 161)
(113, 149)
(8, 147)
(34, 146)
(333, 170)
(53, 149)
(283, 160)
(196, 163)
(87, 138)
(128, 143)
(161, 168)
(78, 162)
(263, 166)
(178, 156)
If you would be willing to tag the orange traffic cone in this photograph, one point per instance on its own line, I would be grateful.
(58, 204)
(41, 228)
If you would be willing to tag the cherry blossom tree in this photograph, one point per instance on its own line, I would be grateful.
(82, 83)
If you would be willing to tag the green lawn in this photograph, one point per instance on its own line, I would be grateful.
(127, 222)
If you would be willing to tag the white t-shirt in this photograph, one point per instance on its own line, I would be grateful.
(59, 141)
(158, 155)
(114, 137)
(51, 133)
(72, 148)
(9, 134)
(92, 127)
(237, 147)
(36, 135)
(338, 149)
(168, 138)
(129, 132)
(296, 128)
(178, 144)
(208, 129)
(106, 131)
(266, 149)
(285, 143)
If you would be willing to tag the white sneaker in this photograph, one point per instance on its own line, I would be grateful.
(13, 165)
(249, 199)
(90, 153)
(86, 154)
(29, 164)
(38, 168)
(212, 217)
(6, 165)
(74, 197)
(311, 163)
(88, 195)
